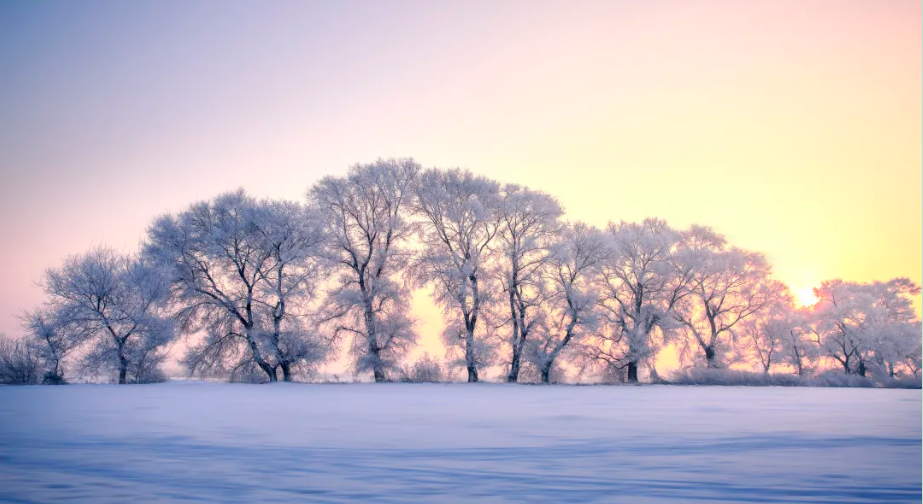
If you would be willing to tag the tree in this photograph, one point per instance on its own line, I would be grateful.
(52, 340)
(116, 300)
(797, 348)
(728, 285)
(239, 271)
(771, 334)
(364, 215)
(461, 221)
(644, 278)
(573, 294)
(528, 225)
(863, 325)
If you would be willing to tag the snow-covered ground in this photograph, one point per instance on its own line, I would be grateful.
(424, 443)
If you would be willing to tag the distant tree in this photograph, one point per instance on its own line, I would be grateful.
(572, 286)
(461, 222)
(769, 335)
(114, 301)
(18, 365)
(244, 273)
(365, 216)
(645, 275)
(798, 349)
(528, 226)
(728, 285)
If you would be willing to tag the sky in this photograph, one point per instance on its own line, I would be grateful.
(792, 127)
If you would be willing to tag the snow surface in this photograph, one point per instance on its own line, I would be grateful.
(429, 443)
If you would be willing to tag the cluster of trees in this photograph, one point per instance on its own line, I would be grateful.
(269, 290)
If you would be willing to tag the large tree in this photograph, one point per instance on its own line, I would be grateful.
(115, 301)
(528, 226)
(365, 217)
(243, 272)
(645, 275)
(728, 285)
(572, 285)
(461, 221)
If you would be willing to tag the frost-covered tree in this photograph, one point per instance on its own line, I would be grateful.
(52, 340)
(528, 226)
(728, 285)
(461, 221)
(772, 335)
(572, 290)
(645, 275)
(243, 273)
(114, 301)
(798, 348)
(868, 325)
(365, 216)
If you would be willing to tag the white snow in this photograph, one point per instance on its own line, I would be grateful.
(428, 443)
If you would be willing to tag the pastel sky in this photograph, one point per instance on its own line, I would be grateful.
(793, 127)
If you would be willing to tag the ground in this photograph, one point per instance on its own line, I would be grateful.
(429, 443)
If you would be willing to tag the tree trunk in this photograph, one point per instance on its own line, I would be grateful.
(861, 370)
(546, 373)
(469, 357)
(633, 372)
(286, 371)
(123, 364)
(710, 357)
(513, 377)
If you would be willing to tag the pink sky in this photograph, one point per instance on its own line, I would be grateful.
(792, 127)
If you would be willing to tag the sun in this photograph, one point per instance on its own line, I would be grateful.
(804, 296)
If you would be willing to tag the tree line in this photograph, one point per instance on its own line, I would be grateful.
(270, 290)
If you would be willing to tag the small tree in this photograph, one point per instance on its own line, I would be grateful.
(18, 365)
(114, 300)
(52, 340)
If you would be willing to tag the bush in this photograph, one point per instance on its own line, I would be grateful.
(18, 364)
(729, 377)
(426, 370)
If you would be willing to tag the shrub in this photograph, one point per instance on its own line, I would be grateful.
(18, 364)
(426, 370)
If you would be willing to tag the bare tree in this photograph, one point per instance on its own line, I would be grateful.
(364, 215)
(115, 300)
(528, 226)
(460, 211)
(573, 294)
(728, 285)
(239, 271)
(645, 275)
